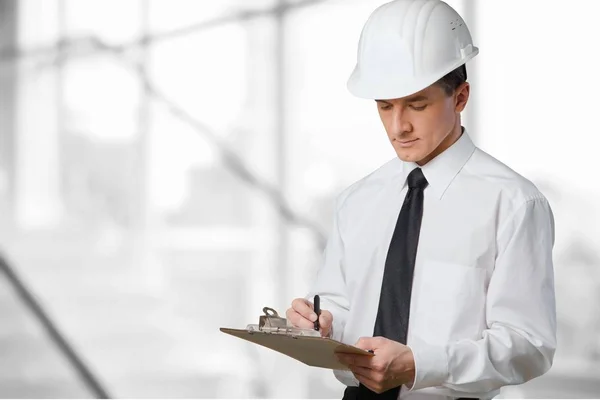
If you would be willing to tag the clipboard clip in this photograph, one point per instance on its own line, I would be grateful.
(272, 323)
(271, 319)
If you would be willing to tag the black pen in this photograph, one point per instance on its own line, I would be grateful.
(317, 303)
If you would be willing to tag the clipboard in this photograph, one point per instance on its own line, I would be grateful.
(304, 345)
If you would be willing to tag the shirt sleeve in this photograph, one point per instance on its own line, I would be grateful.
(520, 339)
(330, 283)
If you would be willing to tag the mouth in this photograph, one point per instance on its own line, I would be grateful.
(406, 143)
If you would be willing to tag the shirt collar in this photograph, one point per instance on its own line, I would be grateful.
(440, 171)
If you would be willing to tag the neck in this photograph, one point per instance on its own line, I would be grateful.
(452, 137)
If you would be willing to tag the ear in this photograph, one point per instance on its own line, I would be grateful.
(462, 96)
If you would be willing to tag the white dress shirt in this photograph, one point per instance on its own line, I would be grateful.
(482, 313)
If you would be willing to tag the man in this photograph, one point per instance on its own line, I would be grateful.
(443, 236)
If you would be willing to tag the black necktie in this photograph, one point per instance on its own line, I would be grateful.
(394, 301)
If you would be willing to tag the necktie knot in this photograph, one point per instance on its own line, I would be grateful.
(416, 179)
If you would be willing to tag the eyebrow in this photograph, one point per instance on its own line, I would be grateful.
(417, 98)
(414, 99)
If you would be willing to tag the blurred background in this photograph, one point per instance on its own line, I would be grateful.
(169, 167)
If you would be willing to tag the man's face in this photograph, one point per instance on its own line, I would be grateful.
(424, 124)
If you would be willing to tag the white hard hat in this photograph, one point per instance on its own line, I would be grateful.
(407, 45)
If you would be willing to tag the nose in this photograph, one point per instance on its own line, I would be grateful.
(400, 123)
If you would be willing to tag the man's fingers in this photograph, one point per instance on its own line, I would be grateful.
(370, 343)
(302, 315)
(304, 308)
(365, 372)
(298, 320)
(356, 360)
(289, 315)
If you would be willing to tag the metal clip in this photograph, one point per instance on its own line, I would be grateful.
(272, 323)
(271, 319)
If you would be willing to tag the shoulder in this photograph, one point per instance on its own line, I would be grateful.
(369, 186)
(516, 201)
(494, 177)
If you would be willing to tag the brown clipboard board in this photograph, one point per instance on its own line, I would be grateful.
(313, 351)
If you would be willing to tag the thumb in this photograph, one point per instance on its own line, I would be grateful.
(368, 343)
(326, 318)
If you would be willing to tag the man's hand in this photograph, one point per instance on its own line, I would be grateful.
(301, 315)
(392, 365)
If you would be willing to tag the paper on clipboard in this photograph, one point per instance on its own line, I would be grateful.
(305, 346)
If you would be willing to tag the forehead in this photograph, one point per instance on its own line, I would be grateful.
(429, 93)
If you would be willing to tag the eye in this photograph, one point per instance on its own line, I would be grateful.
(421, 108)
(385, 107)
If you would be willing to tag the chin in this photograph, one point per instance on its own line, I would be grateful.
(409, 156)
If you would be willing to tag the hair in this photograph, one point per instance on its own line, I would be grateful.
(453, 80)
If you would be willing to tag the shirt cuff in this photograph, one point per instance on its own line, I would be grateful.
(431, 366)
